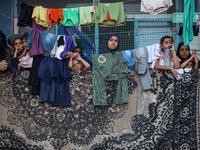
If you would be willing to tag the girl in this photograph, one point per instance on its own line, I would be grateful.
(159, 65)
(25, 61)
(76, 63)
(111, 45)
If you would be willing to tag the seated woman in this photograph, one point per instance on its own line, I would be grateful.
(192, 62)
(111, 45)
(76, 63)
(184, 54)
(3, 46)
(11, 40)
(159, 65)
(18, 49)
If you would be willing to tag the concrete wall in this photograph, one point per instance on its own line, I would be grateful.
(6, 15)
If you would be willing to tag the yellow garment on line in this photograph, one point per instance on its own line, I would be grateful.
(87, 15)
(40, 16)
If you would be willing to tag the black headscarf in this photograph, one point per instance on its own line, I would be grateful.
(106, 49)
(3, 46)
(177, 53)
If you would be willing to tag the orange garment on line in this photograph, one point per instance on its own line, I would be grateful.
(54, 15)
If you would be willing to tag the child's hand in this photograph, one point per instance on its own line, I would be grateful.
(78, 57)
(175, 73)
(69, 54)
(171, 47)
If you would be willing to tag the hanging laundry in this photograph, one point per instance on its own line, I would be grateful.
(62, 77)
(188, 22)
(109, 67)
(59, 50)
(71, 16)
(153, 54)
(142, 67)
(54, 73)
(47, 41)
(87, 15)
(54, 16)
(195, 30)
(198, 21)
(46, 73)
(89, 45)
(25, 17)
(60, 47)
(70, 44)
(110, 14)
(155, 6)
(35, 46)
(129, 59)
(40, 16)
(34, 80)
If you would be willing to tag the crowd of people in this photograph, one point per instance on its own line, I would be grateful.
(21, 59)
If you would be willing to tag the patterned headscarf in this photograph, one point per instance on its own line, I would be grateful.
(12, 38)
(106, 49)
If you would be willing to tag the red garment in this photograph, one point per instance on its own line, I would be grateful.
(54, 15)
(108, 18)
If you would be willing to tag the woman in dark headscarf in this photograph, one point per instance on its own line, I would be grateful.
(183, 52)
(111, 45)
(3, 46)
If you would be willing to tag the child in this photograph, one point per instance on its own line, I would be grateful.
(25, 61)
(76, 62)
(159, 65)
(192, 62)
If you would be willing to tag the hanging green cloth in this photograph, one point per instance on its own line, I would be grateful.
(188, 22)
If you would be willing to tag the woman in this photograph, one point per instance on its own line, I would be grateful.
(184, 54)
(111, 45)
(3, 46)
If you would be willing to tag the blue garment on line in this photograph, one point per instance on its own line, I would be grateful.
(46, 74)
(47, 39)
(129, 59)
(62, 77)
(54, 73)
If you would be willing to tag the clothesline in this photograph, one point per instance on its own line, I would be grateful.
(112, 2)
(104, 32)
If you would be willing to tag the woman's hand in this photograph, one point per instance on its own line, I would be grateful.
(194, 52)
(3, 65)
(17, 50)
(175, 73)
(191, 58)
